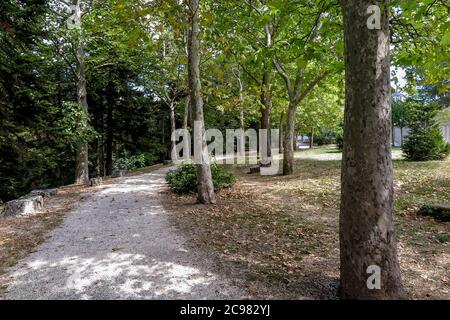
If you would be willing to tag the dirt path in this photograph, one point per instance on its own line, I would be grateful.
(118, 244)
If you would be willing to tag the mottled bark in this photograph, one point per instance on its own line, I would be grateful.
(288, 158)
(186, 113)
(205, 185)
(82, 158)
(367, 234)
(266, 108)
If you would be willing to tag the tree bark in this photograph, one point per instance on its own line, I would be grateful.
(186, 113)
(205, 185)
(367, 236)
(288, 150)
(311, 139)
(173, 126)
(266, 108)
(82, 158)
(109, 139)
(281, 137)
(241, 146)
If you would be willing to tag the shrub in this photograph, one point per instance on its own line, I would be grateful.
(134, 162)
(425, 141)
(326, 136)
(183, 180)
(425, 144)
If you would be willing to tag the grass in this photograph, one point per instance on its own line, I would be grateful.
(282, 232)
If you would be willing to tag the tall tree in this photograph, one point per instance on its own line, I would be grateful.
(307, 45)
(367, 237)
(205, 185)
(82, 161)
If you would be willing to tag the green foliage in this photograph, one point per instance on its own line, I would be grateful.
(425, 141)
(72, 126)
(183, 180)
(326, 136)
(135, 162)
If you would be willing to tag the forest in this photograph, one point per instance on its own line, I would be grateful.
(349, 98)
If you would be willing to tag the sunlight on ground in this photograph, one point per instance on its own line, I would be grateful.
(129, 275)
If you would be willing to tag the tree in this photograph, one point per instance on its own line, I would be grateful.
(425, 141)
(304, 56)
(205, 185)
(82, 161)
(367, 236)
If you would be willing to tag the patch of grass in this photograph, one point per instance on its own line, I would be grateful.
(443, 237)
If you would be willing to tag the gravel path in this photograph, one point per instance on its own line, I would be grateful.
(119, 244)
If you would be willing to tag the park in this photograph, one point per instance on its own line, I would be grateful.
(239, 150)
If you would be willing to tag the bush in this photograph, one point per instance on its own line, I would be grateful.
(425, 141)
(183, 180)
(425, 144)
(326, 136)
(134, 162)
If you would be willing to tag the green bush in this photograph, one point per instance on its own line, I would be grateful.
(134, 162)
(326, 136)
(183, 180)
(425, 141)
(426, 144)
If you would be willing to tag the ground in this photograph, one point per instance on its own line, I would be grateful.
(117, 244)
(281, 233)
(267, 237)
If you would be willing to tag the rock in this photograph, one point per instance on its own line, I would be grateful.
(23, 207)
(96, 182)
(118, 173)
(439, 212)
(255, 169)
(46, 193)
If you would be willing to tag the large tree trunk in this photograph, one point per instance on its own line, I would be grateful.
(288, 158)
(367, 235)
(82, 158)
(205, 185)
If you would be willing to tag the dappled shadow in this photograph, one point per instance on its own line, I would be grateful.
(118, 245)
(115, 275)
